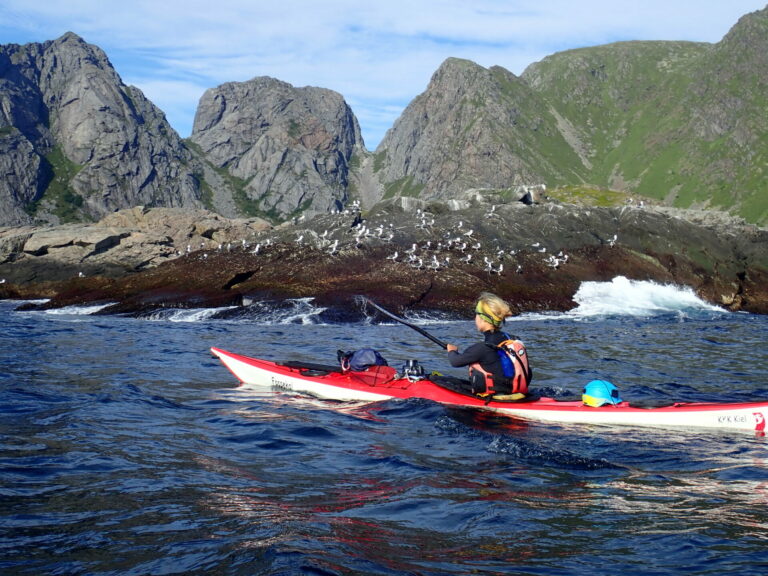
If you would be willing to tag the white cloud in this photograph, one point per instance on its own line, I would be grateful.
(379, 56)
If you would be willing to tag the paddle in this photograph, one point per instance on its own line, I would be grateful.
(421, 331)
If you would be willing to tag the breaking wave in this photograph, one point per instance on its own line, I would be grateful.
(624, 297)
(77, 310)
(185, 314)
(292, 311)
(619, 297)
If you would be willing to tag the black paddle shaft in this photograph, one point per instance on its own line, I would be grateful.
(402, 321)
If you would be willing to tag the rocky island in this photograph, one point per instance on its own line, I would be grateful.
(407, 254)
(652, 156)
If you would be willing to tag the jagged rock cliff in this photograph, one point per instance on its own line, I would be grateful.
(288, 149)
(682, 123)
(75, 142)
(475, 128)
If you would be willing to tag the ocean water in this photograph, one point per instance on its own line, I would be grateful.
(126, 448)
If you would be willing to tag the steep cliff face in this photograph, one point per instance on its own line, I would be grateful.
(23, 131)
(286, 149)
(78, 143)
(680, 122)
(475, 128)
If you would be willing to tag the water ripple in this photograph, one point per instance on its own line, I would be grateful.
(125, 449)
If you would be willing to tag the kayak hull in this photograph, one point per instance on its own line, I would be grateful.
(382, 383)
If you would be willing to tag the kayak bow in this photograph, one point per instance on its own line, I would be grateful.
(383, 383)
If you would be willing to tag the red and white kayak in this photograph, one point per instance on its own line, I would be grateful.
(383, 383)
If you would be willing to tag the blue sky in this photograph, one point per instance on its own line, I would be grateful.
(378, 55)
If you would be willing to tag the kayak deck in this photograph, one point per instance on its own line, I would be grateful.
(383, 382)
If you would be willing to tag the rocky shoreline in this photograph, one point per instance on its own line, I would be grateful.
(405, 253)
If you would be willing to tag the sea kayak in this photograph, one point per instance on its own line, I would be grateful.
(384, 383)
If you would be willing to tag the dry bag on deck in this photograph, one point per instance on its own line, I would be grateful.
(360, 360)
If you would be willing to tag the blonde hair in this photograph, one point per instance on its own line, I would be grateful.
(493, 308)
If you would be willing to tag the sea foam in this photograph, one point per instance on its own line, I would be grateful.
(622, 296)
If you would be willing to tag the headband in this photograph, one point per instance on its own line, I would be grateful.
(482, 310)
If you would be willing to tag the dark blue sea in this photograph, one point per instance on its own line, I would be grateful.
(127, 449)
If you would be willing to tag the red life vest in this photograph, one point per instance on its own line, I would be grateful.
(518, 383)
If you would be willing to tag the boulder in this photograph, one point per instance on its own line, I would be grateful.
(121, 243)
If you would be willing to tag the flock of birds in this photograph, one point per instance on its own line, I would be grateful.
(437, 248)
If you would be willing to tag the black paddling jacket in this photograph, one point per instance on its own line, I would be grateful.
(483, 353)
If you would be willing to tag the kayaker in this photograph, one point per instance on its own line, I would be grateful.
(486, 371)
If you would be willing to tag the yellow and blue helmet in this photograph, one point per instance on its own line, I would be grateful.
(599, 393)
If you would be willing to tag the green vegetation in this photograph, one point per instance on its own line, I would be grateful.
(294, 129)
(674, 121)
(379, 161)
(683, 123)
(403, 187)
(276, 217)
(588, 196)
(355, 162)
(245, 204)
(59, 197)
(206, 193)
